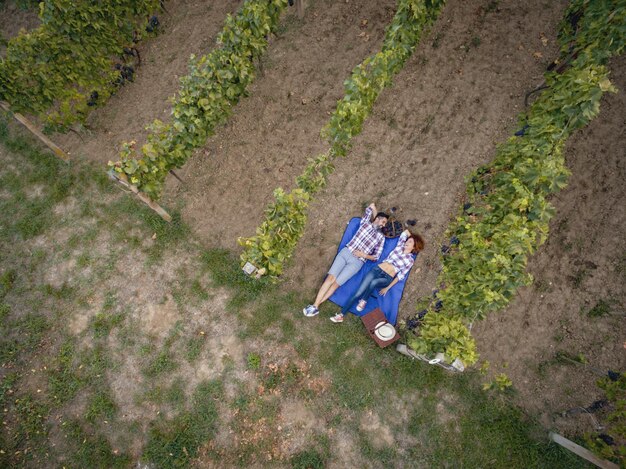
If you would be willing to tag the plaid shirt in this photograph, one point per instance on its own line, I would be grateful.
(367, 239)
(400, 260)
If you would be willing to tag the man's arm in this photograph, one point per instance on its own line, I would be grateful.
(374, 210)
(379, 249)
(370, 214)
(362, 255)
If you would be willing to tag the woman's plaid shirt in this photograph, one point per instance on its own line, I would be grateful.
(400, 260)
(368, 239)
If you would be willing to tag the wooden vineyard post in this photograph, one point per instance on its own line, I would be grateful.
(123, 180)
(36, 132)
(582, 452)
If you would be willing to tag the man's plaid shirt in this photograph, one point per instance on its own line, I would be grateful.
(400, 260)
(367, 239)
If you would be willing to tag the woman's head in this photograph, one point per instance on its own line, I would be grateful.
(414, 244)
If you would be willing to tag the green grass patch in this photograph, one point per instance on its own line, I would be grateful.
(226, 272)
(174, 442)
(193, 347)
(103, 323)
(63, 379)
(21, 337)
(273, 309)
(7, 280)
(92, 450)
(163, 362)
(63, 292)
(32, 416)
(173, 395)
(101, 407)
(253, 360)
(308, 459)
(481, 431)
(602, 308)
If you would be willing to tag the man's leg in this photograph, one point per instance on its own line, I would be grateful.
(330, 283)
(326, 290)
(353, 265)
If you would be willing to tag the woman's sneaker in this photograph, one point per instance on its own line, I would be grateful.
(361, 306)
(310, 311)
(337, 318)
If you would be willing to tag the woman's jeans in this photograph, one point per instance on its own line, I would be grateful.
(375, 279)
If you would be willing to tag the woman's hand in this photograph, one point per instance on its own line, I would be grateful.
(407, 233)
(384, 291)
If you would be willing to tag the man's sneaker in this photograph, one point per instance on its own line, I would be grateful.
(337, 318)
(310, 311)
(361, 306)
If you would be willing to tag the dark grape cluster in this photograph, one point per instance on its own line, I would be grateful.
(93, 98)
(522, 131)
(613, 376)
(392, 229)
(153, 24)
(608, 439)
(412, 324)
(416, 321)
(597, 405)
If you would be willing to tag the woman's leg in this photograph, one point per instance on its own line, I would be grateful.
(376, 284)
(372, 279)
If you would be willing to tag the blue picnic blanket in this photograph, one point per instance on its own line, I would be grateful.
(390, 302)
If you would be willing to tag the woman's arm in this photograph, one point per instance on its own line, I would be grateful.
(384, 291)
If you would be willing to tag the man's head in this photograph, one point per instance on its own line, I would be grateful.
(380, 220)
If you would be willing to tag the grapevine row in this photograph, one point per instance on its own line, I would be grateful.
(65, 66)
(507, 214)
(214, 85)
(285, 218)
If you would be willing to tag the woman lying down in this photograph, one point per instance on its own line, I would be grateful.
(386, 274)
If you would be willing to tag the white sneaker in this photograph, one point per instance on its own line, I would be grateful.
(310, 311)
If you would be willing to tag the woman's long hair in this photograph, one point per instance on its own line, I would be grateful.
(418, 242)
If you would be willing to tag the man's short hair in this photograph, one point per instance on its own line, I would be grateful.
(381, 215)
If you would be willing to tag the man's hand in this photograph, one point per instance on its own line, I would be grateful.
(372, 206)
(358, 253)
